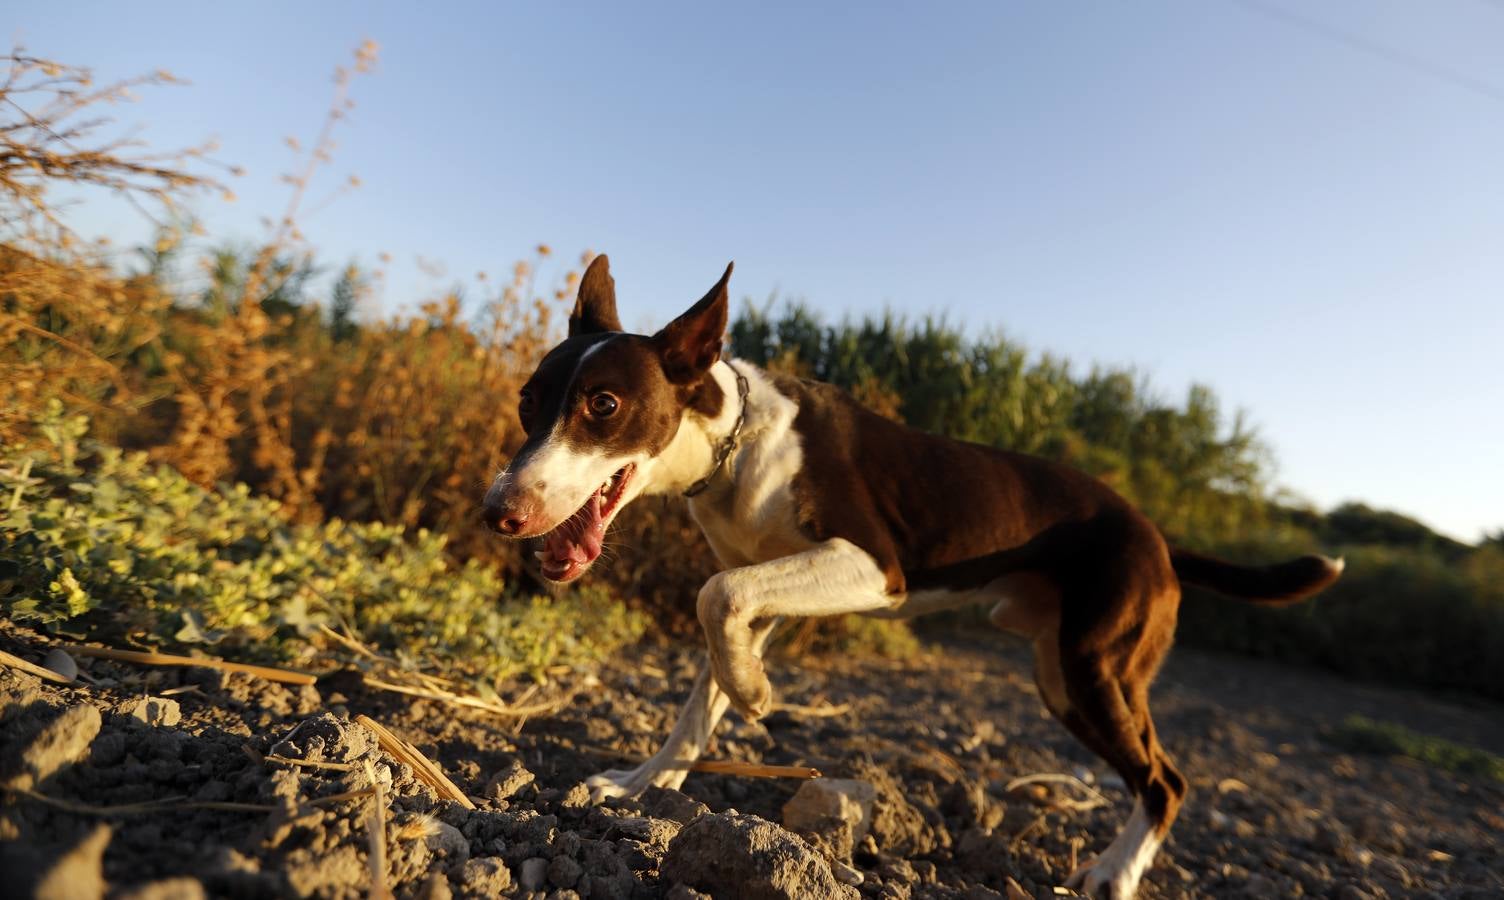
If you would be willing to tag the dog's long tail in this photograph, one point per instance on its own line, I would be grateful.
(1274, 585)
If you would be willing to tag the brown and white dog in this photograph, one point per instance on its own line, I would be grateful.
(815, 506)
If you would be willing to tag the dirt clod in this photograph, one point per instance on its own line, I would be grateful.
(158, 711)
(741, 855)
(79, 873)
(484, 878)
(58, 743)
(167, 889)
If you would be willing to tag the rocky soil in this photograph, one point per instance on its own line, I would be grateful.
(230, 787)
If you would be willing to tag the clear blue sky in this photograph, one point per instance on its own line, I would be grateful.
(1306, 215)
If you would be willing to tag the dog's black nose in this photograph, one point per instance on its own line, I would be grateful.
(501, 521)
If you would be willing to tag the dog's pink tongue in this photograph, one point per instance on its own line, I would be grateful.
(579, 539)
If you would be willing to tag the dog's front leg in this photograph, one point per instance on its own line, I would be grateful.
(668, 767)
(833, 578)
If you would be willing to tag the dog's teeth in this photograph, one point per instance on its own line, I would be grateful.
(542, 556)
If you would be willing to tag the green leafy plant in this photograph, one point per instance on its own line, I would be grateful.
(100, 542)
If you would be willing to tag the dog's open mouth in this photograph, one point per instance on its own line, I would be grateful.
(575, 543)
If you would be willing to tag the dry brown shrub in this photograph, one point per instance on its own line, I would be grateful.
(69, 326)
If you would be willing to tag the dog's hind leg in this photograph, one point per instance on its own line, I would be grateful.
(702, 712)
(1109, 713)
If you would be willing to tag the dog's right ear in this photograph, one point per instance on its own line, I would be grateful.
(595, 306)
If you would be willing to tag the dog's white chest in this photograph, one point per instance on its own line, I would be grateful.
(755, 517)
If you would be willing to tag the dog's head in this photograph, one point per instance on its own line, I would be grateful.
(598, 411)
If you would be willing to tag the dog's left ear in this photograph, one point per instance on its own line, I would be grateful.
(595, 306)
(691, 344)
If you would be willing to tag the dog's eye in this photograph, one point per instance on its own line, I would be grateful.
(525, 404)
(602, 405)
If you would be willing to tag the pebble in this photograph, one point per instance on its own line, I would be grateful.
(59, 661)
(533, 873)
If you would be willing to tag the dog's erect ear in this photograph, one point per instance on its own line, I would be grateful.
(595, 307)
(691, 344)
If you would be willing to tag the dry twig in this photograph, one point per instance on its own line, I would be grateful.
(436, 693)
(42, 672)
(1094, 798)
(169, 804)
(285, 676)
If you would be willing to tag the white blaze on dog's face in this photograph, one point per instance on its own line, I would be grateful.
(598, 410)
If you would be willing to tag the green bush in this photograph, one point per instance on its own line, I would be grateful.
(101, 543)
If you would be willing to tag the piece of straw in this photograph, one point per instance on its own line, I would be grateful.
(422, 767)
(285, 676)
(376, 836)
(309, 763)
(463, 699)
(42, 672)
(175, 803)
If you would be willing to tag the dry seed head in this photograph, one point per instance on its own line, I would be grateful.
(419, 827)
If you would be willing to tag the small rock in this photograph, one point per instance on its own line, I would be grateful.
(564, 872)
(533, 873)
(326, 738)
(507, 782)
(158, 711)
(448, 842)
(747, 857)
(1257, 887)
(577, 797)
(59, 661)
(685, 892)
(821, 801)
(79, 873)
(1330, 837)
(61, 742)
(107, 749)
(487, 877)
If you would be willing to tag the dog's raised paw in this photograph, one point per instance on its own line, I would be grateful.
(750, 691)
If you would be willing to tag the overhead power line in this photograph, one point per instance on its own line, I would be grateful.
(1395, 55)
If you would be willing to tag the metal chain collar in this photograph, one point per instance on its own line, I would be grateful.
(728, 443)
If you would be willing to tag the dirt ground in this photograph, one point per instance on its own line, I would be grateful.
(1274, 810)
